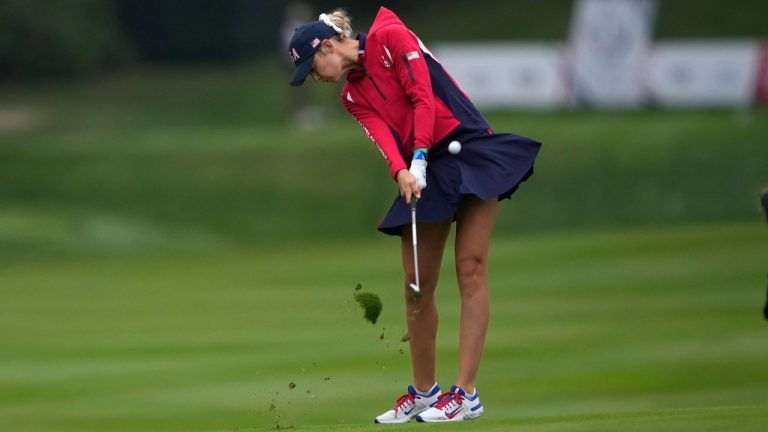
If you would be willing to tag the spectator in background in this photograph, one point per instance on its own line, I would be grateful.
(764, 200)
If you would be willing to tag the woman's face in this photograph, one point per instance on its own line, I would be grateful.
(327, 66)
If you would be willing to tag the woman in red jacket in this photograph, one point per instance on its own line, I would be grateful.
(412, 109)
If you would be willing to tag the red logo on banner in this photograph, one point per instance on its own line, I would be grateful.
(762, 76)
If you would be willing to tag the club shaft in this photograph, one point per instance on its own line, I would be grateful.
(415, 245)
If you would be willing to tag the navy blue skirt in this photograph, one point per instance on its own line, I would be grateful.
(488, 166)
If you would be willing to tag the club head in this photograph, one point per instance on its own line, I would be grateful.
(416, 291)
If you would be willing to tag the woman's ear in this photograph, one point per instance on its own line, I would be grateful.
(327, 46)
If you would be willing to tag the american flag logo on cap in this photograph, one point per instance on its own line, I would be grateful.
(315, 43)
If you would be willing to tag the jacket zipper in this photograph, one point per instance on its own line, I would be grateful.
(408, 65)
(376, 86)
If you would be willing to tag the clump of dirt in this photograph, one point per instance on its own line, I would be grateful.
(371, 304)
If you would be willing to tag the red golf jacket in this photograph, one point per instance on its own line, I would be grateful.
(403, 97)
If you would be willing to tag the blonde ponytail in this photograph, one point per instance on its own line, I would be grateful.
(340, 20)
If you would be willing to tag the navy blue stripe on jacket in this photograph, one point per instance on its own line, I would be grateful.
(472, 121)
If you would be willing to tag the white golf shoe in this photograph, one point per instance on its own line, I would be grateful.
(409, 405)
(454, 405)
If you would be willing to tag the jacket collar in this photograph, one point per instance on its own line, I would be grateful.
(362, 38)
(356, 74)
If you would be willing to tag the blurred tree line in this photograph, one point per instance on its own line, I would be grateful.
(59, 38)
(45, 38)
(39, 38)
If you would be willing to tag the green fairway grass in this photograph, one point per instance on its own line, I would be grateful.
(622, 329)
(741, 418)
(175, 255)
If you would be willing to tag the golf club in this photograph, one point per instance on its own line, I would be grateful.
(414, 286)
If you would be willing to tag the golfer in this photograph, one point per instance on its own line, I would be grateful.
(412, 109)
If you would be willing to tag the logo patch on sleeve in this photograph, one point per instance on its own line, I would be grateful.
(412, 55)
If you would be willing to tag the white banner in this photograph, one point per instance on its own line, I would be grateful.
(505, 75)
(608, 47)
(705, 73)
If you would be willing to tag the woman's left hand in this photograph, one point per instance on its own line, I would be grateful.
(408, 185)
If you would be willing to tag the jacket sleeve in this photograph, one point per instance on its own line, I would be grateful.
(378, 131)
(413, 74)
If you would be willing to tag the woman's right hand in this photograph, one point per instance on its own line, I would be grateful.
(408, 185)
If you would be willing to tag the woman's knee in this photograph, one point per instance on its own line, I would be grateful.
(471, 273)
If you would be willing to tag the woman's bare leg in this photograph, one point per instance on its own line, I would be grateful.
(422, 313)
(474, 226)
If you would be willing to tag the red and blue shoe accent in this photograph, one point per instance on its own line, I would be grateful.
(455, 405)
(410, 405)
